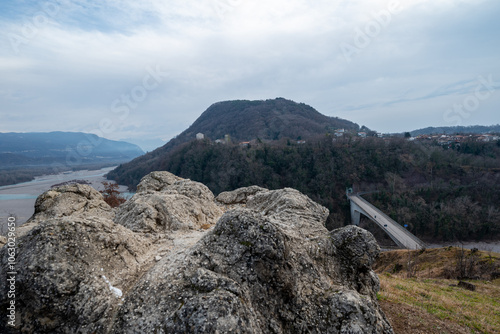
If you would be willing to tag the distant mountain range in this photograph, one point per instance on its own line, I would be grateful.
(240, 121)
(478, 129)
(71, 148)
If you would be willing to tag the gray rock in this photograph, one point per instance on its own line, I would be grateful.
(157, 181)
(68, 200)
(271, 267)
(71, 200)
(357, 250)
(239, 196)
(175, 204)
(68, 273)
(290, 206)
(256, 273)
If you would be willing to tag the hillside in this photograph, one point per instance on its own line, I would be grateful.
(242, 120)
(267, 120)
(40, 148)
(26, 155)
(420, 291)
(474, 129)
(441, 194)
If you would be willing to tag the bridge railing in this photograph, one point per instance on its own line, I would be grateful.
(396, 224)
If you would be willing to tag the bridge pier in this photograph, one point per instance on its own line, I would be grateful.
(355, 214)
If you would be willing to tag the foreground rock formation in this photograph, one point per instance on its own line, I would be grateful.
(169, 261)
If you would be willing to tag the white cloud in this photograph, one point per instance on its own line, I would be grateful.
(89, 53)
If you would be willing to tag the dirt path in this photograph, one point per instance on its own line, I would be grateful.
(409, 320)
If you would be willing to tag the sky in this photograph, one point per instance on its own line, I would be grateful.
(143, 71)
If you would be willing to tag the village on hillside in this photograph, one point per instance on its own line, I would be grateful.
(440, 139)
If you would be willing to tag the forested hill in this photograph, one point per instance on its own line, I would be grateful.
(242, 120)
(266, 120)
(473, 129)
(440, 193)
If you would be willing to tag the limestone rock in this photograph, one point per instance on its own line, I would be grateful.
(73, 199)
(68, 200)
(255, 273)
(70, 271)
(289, 205)
(239, 196)
(357, 250)
(157, 181)
(271, 267)
(172, 205)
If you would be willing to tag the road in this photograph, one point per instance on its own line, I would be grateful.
(398, 233)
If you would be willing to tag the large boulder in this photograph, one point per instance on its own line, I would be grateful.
(71, 273)
(68, 200)
(289, 205)
(165, 202)
(157, 181)
(269, 267)
(257, 272)
(71, 200)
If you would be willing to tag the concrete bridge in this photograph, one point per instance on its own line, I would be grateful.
(400, 235)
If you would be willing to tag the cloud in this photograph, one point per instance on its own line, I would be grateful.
(75, 58)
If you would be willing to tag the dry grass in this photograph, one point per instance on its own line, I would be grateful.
(437, 299)
(436, 263)
(478, 310)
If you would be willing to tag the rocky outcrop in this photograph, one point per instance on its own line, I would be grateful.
(71, 200)
(269, 267)
(68, 200)
(165, 202)
(239, 196)
(157, 181)
(71, 272)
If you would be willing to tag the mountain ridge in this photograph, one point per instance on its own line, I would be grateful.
(43, 148)
(471, 129)
(24, 156)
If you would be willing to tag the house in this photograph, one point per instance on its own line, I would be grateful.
(339, 132)
(200, 136)
(300, 142)
(362, 134)
(245, 143)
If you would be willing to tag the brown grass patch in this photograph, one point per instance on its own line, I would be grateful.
(428, 302)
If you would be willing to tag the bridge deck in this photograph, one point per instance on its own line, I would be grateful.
(399, 234)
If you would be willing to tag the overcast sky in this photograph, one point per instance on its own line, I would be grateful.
(145, 70)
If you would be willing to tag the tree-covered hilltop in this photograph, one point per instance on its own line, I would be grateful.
(268, 120)
(238, 121)
(441, 194)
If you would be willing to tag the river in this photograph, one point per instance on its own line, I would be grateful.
(19, 199)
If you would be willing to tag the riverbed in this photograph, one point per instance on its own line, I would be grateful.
(19, 199)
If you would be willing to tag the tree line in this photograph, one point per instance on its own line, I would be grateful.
(441, 194)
